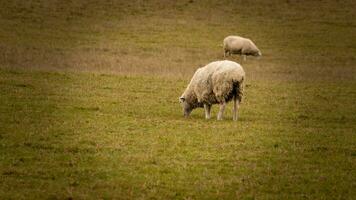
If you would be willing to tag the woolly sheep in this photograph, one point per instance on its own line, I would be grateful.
(216, 83)
(240, 45)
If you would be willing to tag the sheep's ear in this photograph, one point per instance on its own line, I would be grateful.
(181, 99)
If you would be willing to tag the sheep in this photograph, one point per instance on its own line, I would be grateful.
(240, 45)
(216, 83)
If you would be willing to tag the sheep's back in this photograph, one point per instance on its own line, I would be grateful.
(234, 43)
(225, 78)
(203, 86)
(214, 81)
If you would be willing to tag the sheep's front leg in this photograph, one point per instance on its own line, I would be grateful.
(244, 57)
(235, 109)
(221, 111)
(207, 111)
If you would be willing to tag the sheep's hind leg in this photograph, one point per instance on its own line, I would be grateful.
(226, 53)
(235, 109)
(207, 111)
(241, 58)
(221, 111)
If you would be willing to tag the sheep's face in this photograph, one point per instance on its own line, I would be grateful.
(258, 54)
(187, 108)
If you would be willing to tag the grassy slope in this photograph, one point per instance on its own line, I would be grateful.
(163, 37)
(84, 135)
(77, 135)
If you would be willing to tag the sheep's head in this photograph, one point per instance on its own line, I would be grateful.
(258, 53)
(187, 107)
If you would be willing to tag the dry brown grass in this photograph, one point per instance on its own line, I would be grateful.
(313, 40)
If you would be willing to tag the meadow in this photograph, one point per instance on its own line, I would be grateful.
(89, 100)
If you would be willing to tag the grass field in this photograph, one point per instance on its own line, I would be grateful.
(89, 101)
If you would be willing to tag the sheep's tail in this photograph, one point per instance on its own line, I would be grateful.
(239, 90)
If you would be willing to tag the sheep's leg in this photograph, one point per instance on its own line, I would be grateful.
(235, 109)
(241, 58)
(244, 57)
(207, 111)
(226, 53)
(221, 111)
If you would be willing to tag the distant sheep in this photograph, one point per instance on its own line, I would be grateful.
(216, 83)
(240, 45)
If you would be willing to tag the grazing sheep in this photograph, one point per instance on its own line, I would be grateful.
(216, 83)
(240, 45)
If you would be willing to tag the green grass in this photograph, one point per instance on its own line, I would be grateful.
(89, 101)
(104, 136)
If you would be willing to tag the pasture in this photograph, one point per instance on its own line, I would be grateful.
(89, 101)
